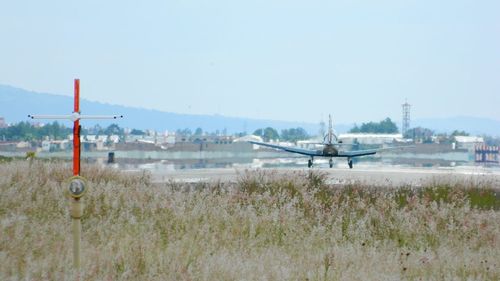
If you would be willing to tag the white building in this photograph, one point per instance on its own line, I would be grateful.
(114, 138)
(310, 144)
(371, 138)
(468, 142)
(248, 138)
(55, 145)
(23, 144)
(46, 145)
(170, 139)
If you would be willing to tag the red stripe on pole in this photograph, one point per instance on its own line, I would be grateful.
(77, 95)
(76, 132)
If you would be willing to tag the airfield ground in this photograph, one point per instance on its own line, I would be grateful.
(375, 176)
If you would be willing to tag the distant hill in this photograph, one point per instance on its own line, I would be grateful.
(472, 125)
(16, 104)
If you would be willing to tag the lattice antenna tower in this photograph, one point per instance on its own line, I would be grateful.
(406, 117)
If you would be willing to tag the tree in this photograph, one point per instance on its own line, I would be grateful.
(198, 132)
(294, 134)
(185, 132)
(96, 130)
(459, 133)
(388, 127)
(355, 129)
(54, 131)
(258, 132)
(137, 132)
(240, 134)
(385, 126)
(420, 134)
(268, 134)
(114, 129)
(21, 131)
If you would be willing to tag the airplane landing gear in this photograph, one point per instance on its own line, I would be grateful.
(349, 162)
(331, 163)
(310, 163)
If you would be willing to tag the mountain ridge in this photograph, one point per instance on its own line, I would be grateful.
(17, 103)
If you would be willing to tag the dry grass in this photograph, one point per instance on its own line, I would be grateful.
(264, 227)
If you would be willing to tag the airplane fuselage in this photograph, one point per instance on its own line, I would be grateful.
(330, 151)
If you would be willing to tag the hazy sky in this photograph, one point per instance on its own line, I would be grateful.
(285, 60)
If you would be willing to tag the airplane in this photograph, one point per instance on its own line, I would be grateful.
(331, 148)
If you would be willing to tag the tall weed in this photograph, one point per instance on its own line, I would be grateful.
(264, 226)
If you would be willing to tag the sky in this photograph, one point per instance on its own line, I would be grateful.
(283, 60)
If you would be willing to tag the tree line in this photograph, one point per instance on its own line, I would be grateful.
(385, 126)
(25, 131)
(291, 135)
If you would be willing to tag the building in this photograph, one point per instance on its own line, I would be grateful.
(486, 154)
(56, 145)
(370, 138)
(13, 146)
(310, 144)
(468, 142)
(248, 138)
(2, 123)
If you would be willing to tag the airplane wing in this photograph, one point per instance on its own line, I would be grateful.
(308, 152)
(355, 153)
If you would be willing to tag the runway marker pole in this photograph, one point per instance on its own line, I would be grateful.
(77, 185)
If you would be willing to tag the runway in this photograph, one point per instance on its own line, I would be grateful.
(376, 176)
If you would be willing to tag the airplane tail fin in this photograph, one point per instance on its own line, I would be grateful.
(329, 137)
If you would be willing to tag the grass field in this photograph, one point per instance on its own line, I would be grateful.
(263, 227)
